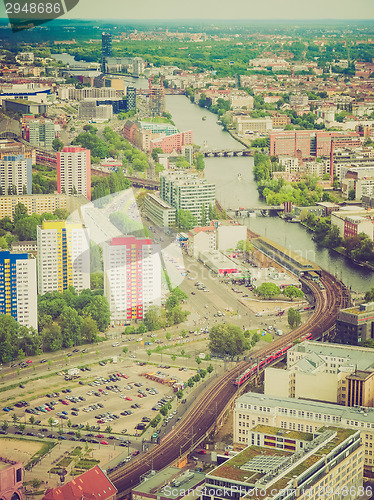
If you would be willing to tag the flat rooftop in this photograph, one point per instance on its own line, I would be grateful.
(257, 463)
(173, 476)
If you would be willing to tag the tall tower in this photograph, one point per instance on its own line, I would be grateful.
(74, 171)
(18, 295)
(63, 256)
(132, 277)
(106, 49)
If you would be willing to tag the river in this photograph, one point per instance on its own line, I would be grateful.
(233, 192)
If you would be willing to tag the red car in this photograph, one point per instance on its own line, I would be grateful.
(29, 361)
(128, 398)
(140, 395)
(104, 442)
(64, 402)
(99, 436)
(101, 421)
(136, 452)
(202, 452)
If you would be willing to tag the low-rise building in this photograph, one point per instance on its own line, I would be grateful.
(159, 211)
(290, 414)
(246, 124)
(11, 480)
(201, 239)
(40, 203)
(270, 466)
(93, 484)
(169, 484)
(327, 372)
(355, 324)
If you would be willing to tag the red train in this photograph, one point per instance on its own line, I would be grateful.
(243, 377)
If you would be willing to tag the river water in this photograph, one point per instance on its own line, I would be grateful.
(233, 192)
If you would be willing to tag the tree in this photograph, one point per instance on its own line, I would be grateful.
(20, 211)
(89, 330)
(168, 336)
(351, 194)
(70, 327)
(294, 317)
(50, 421)
(268, 290)
(108, 429)
(14, 418)
(180, 394)
(185, 220)
(227, 339)
(99, 311)
(153, 319)
(4, 425)
(32, 420)
(293, 292)
(57, 144)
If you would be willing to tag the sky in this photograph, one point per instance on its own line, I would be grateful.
(223, 9)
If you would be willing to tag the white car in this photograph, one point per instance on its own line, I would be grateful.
(115, 344)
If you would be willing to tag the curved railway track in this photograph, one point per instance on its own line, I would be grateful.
(202, 415)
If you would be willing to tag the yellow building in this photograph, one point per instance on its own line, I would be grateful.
(333, 373)
(40, 203)
(63, 256)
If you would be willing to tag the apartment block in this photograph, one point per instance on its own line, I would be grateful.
(322, 371)
(132, 277)
(63, 256)
(300, 415)
(41, 134)
(185, 191)
(15, 175)
(18, 292)
(286, 465)
(158, 211)
(74, 171)
(290, 142)
(40, 203)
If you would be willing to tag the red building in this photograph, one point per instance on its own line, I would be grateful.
(74, 171)
(306, 143)
(173, 142)
(92, 485)
(290, 142)
(11, 480)
(129, 129)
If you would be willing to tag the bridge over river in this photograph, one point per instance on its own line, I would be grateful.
(227, 152)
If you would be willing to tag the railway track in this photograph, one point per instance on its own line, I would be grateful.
(202, 415)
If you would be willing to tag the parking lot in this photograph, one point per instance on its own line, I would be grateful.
(111, 398)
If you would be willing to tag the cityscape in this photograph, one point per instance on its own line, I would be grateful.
(187, 251)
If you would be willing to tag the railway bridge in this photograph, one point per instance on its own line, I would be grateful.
(202, 415)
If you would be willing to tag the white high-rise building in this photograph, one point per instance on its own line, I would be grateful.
(132, 277)
(15, 175)
(18, 295)
(63, 256)
(74, 171)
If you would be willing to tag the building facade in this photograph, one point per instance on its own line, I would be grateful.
(15, 175)
(185, 191)
(63, 257)
(41, 134)
(40, 203)
(253, 409)
(173, 142)
(322, 371)
(11, 480)
(132, 277)
(18, 291)
(74, 171)
(106, 49)
(158, 211)
(355, 324)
